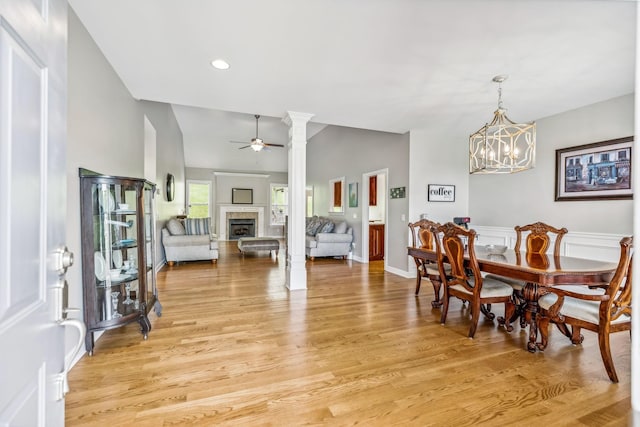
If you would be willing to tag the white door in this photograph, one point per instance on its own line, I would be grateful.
(33, 58)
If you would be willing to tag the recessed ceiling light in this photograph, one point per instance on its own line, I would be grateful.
(220, 64)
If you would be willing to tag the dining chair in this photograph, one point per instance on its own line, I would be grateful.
(465, 281)
(537, 240)
(422, 237)
(603, 310)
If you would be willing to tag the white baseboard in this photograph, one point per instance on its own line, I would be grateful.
(398, 272)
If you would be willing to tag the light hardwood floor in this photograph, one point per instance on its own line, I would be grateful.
(234, 347)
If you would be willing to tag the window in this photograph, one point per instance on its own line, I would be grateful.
(336, 199)
(309, 204)
(198, 196)
(279, 203)
(604, 157)
(622, 155)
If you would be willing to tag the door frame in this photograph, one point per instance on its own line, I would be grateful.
(365, 214)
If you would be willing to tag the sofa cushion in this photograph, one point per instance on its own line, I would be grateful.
(176, 228)
(196, 226)
(334, 238)
(190, 240)
(341, 227)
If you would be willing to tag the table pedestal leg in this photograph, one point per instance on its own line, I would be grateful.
(531, 294)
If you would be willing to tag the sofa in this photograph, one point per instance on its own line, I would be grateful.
(327, 237)
(189, 240)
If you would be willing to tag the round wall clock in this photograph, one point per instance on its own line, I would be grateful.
(171, 187)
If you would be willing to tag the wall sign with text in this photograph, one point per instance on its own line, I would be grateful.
(441, 193)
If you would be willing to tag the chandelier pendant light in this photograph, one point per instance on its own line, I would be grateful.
(502, 146)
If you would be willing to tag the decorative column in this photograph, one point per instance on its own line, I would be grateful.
(296, 271)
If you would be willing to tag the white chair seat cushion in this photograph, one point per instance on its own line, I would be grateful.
(432, 269)
(518, 285)
(588, 311)
(491, 288)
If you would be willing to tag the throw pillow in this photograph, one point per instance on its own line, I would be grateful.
(196, 226)
(340, 228)
(314, 225)
(327, 227)
(175, 227)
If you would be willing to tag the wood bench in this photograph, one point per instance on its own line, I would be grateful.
(250, 244)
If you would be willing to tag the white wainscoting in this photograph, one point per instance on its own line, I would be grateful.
(598, 246)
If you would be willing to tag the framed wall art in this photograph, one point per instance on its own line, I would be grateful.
(353, 194)
(441, 193)
(597, 171)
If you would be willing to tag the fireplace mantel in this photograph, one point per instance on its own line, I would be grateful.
(226, 209)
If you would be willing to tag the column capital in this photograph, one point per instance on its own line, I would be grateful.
(294, 117)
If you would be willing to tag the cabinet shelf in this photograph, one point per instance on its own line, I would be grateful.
(110, 240)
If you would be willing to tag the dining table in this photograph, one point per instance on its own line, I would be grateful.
(539, 271)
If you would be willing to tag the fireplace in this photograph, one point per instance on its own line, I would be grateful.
(241, 227)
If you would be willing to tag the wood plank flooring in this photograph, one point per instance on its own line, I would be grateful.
(234, 347)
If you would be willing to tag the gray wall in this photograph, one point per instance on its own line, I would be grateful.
(222, 185)
(525, 197)
(340, 151)
(106, 134)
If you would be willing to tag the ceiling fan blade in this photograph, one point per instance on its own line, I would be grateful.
(273, 145)
(242, 148)
(238, 142)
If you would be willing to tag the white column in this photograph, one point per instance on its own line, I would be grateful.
(296, 271)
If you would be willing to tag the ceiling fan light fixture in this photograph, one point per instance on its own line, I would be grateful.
(220, 64)
(257, 147)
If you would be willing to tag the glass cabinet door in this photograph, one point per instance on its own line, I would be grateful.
(115, 240)
(149, 246)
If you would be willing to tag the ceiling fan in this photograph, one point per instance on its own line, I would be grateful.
(257, 144)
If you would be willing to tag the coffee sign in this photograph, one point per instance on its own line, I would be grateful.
(441, 193)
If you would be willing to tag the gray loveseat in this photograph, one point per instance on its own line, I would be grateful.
(189, 240)
(327, 237)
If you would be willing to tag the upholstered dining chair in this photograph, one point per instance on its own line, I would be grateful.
(422, 237)
(537, 239)
(465, 281)
(603, 310)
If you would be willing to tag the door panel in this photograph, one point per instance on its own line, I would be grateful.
(32, 210)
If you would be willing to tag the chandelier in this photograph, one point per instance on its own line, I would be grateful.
(502, 146)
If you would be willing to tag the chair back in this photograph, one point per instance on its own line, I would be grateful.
(450, 242)
(619, 289)
(421, 235)
(538, 238)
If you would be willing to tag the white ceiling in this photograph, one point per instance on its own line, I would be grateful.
(389, 65)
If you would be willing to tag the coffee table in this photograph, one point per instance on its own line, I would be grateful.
(251, 244)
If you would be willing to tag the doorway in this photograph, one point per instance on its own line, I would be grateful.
(374, 217)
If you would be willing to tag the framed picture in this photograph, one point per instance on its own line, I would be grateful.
(353, 194)
(441, 193)
(597, 171)
(398, 193)
(242, 196)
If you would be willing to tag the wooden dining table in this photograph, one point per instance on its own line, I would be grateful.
(538, 271)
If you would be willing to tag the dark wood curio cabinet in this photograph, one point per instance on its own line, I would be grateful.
(118, 253)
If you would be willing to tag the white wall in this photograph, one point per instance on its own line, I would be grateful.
(526, 197)
(438, 159)
(106, 134)
(339, 151)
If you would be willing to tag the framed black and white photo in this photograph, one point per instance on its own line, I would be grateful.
(441, 193)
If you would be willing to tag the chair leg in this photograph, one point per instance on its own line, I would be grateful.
(445, 306)
(418, 282)
(605, 352)
(576, 337)
(475, 316)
